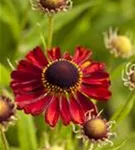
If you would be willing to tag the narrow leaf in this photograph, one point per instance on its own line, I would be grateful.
(118, 146)
(4, 76)
(125, 109)
(26, 133)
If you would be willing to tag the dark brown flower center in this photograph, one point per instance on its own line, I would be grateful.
(52, 4)
(95, 129)
(62, 74)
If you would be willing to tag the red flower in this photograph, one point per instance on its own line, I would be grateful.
(61, 85)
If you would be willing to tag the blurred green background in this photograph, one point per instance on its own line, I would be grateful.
(21, 29)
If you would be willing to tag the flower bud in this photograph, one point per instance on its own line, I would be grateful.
(95, 130)
(51, 6)
(119, 45)
(7, 112)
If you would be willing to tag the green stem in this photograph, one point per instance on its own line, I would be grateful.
(125, 109)
(50, 31)
(130, 98)
(4, 140)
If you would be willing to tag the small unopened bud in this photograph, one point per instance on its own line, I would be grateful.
(51, 6)
(7, 112)
(95, 130)
(119, 45)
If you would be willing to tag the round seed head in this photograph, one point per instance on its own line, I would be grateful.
(95, 129)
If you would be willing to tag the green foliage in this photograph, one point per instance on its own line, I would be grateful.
(1, 143)
(4, 76)
(125, 109)
(21, 29)
(26, 132)
(116, 146)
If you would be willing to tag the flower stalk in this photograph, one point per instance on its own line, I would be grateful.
(50, 31)
(4, 140)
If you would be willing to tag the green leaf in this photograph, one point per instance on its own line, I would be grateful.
(4, 76)
(118, 146)
(14, 148)
(3, 141)
(26, 132)
(10, 19)
(115, 146)
(7, 42)
(124, 109)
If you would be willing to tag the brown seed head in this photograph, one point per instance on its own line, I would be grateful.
(95, 129)
(132, 77)
(52, 4)
(3, 109)
(7, 109)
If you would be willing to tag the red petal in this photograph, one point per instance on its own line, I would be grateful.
(86, 104)
(67, 56)
(28, 98)
(37, 57)
(28, 86)
(52, 112)
(64, 110)
(24, 76)
(28, 67)
(54, 53)
(98, 93)
(81, 55)
(38, 107)
(94, 67)
(76, 111)
(97, 79)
